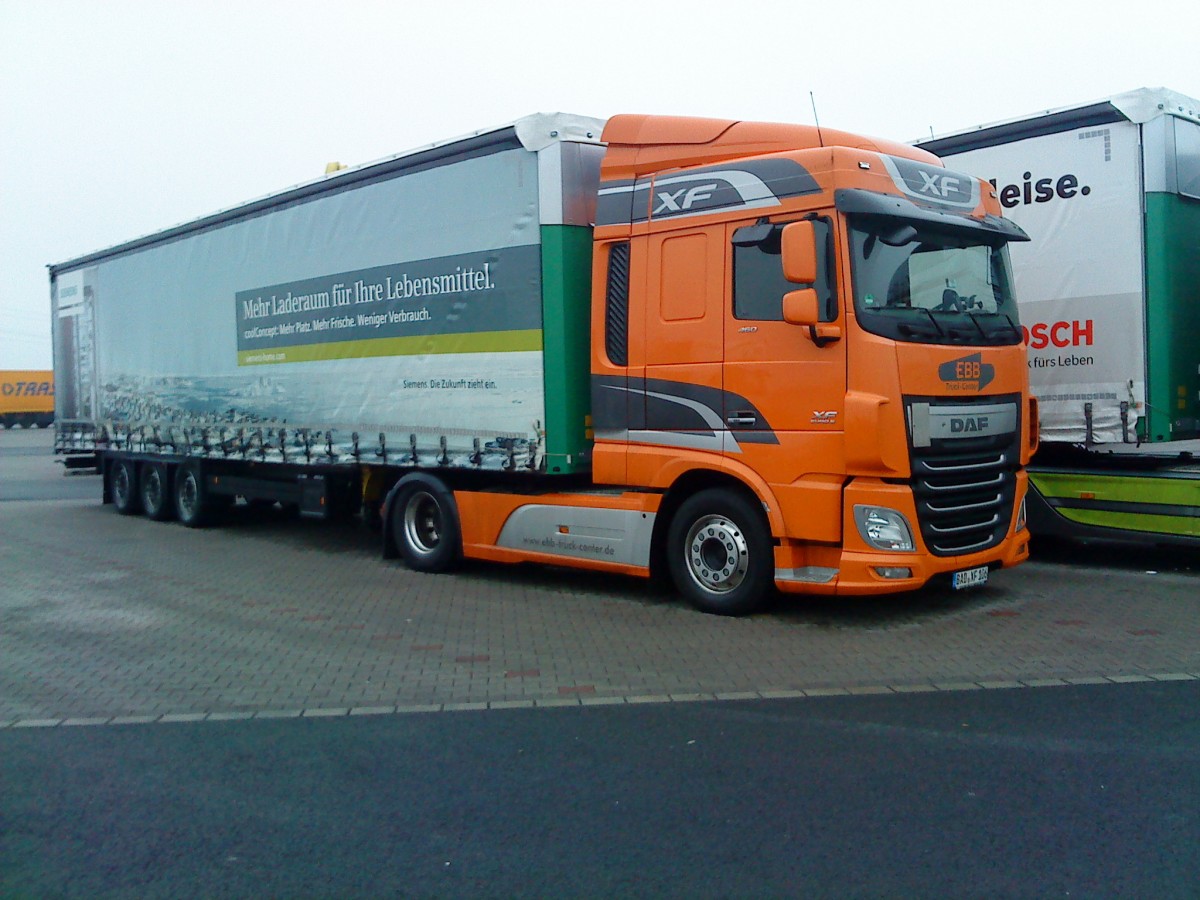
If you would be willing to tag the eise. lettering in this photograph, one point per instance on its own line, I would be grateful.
(1043, 190)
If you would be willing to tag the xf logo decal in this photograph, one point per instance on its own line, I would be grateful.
(943, 186)
(671, 202)
(824, 417)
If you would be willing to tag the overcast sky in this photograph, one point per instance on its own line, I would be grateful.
(118, 119)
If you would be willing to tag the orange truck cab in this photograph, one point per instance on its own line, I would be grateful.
(807, 370)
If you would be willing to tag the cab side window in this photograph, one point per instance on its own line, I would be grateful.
(758, 282)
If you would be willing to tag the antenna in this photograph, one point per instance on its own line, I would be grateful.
(816, 118)
(931, 134)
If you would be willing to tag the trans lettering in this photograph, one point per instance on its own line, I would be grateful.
(1043, 190)
(27, 389)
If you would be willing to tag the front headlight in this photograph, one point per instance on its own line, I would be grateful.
(883, 528)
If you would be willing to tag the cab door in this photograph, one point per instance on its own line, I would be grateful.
(684, 334)
(784, 394)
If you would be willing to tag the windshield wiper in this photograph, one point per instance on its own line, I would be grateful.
(1011, 326)
(1016, 329)
(907, 326)
(982, 333)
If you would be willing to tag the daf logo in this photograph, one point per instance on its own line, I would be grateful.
(672, 202)
(968, 424)
(944, 186)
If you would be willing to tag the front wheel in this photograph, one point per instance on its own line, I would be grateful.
(424, 524)
(720, 554)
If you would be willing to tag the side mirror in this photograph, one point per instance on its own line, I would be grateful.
(799, 249)
(803, 308)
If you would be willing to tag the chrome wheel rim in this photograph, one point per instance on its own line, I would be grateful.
(423, 523)
(718, 556)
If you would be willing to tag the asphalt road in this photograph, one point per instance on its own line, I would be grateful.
(31, 471)
(963, 788)
(1064, 792)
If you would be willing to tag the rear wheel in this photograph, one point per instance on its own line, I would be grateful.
(155, 490)
(191, 501)
(425, 524)
(719, 553)
(123, 487)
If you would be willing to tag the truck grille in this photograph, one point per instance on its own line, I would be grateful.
(964, 491)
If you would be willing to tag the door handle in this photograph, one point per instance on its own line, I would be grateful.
(743, 419)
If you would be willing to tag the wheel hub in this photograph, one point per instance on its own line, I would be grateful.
(717, 554)
(423, 522)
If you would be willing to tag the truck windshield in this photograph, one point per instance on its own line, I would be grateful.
(924, 285)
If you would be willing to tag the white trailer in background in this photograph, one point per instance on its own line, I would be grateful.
(1109, 292)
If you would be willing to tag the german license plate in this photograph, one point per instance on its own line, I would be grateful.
(970, 578)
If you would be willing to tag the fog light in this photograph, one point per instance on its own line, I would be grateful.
(883, 528)
(893, 572)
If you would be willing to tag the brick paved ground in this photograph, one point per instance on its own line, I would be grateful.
(106, 618)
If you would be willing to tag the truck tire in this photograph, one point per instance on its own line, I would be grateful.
(719, 553)
(123, 487)
(425, 524)
(192, 506)
(155, 490)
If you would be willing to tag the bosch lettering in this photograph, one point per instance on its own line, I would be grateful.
(1041, 335)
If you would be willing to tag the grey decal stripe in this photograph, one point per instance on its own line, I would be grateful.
(676, 413)
(750, 185)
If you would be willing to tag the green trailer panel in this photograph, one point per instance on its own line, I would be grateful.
(1172, 317)
(1159, 503)
(566, 299)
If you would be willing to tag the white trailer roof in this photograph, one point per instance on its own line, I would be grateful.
(1138, 106)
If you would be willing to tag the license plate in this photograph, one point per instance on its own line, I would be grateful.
(970, 578)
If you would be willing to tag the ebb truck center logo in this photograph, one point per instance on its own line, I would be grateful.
(968, 373)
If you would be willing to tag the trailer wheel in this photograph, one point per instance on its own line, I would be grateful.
(192, 506)
(155, 489)
(719, 553)
(122, 485)
(425, 524)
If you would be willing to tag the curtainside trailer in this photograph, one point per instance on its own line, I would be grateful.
(1109, 288)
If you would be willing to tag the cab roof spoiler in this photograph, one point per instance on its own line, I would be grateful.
(854, 201)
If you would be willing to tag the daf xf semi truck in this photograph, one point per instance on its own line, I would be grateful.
(1109, 288)
(748, 356)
